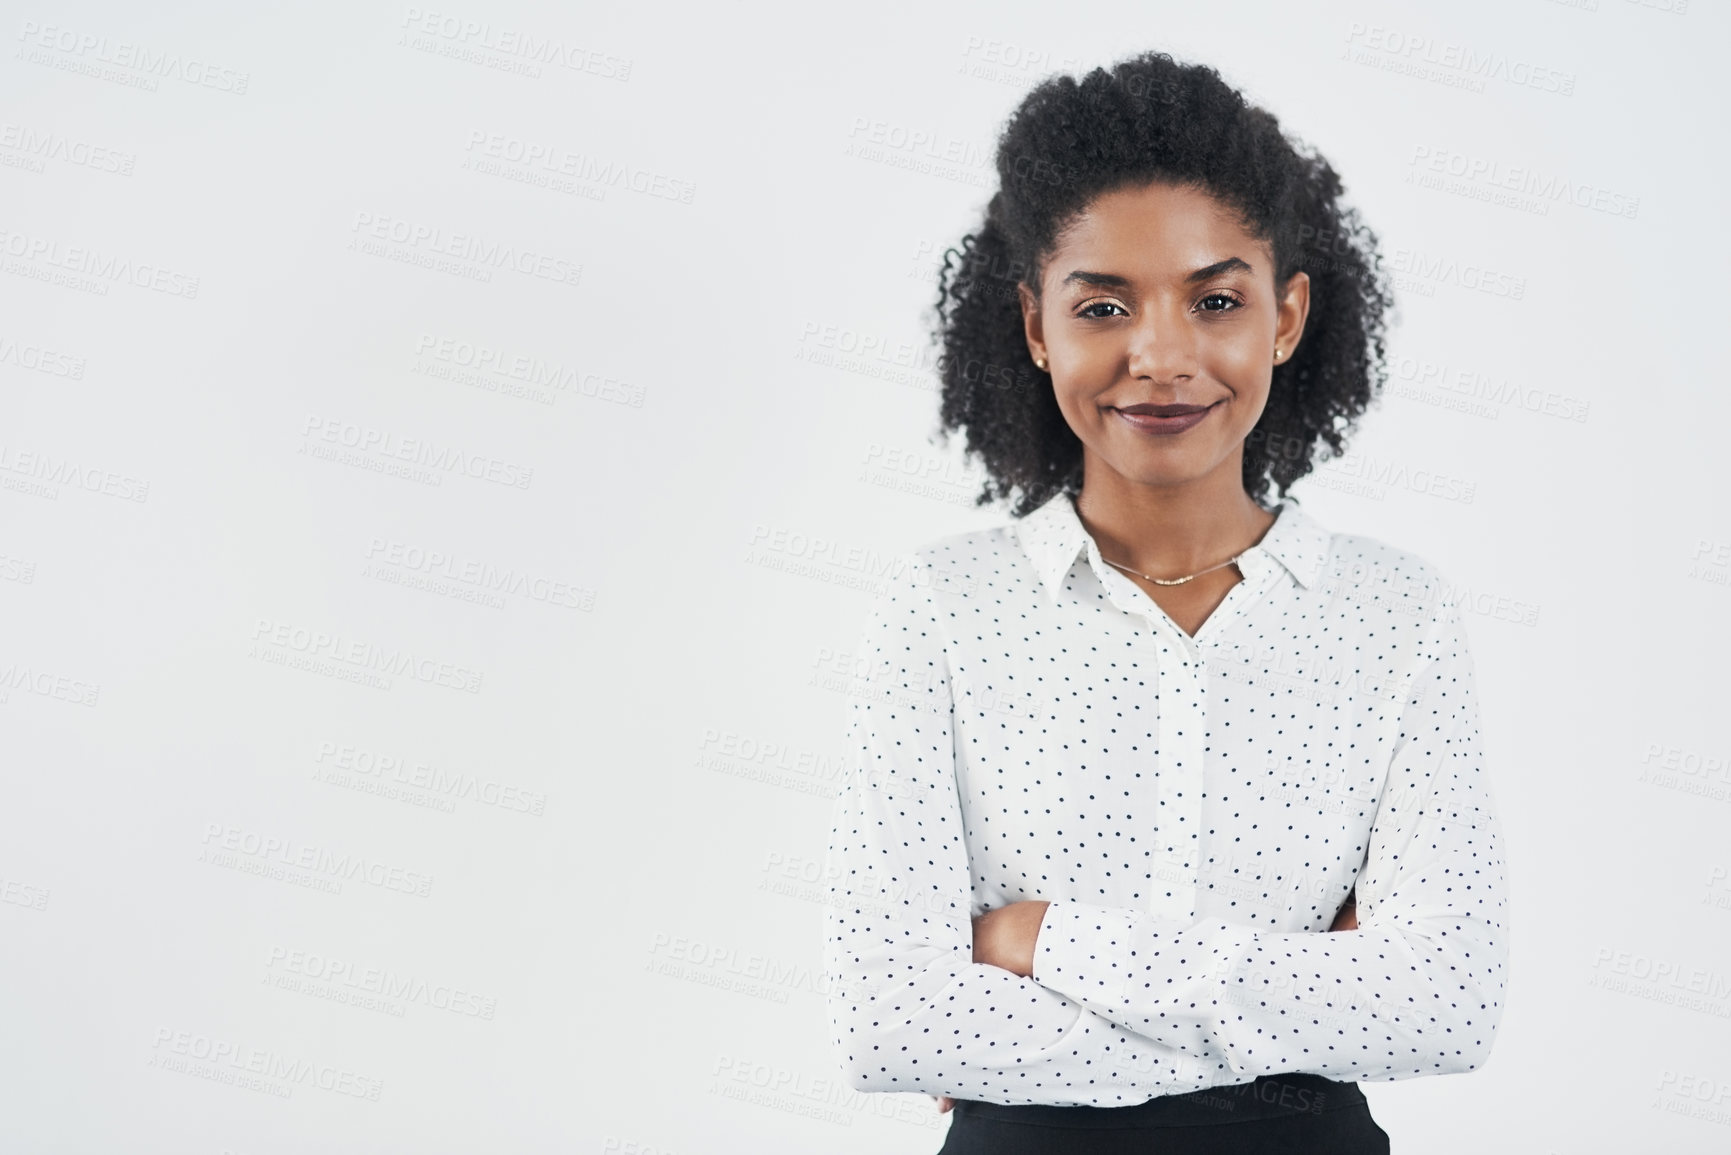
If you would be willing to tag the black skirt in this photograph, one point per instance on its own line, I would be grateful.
(1291, 1114)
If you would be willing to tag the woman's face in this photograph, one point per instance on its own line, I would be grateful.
(1155, 301)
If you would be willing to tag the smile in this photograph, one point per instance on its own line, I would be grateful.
(1148, 423)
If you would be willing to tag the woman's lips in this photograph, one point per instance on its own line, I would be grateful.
(1148, 423)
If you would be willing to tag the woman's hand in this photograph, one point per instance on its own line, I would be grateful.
(1347, 919)
(1005, 937)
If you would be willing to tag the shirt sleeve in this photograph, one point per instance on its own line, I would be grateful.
(909, 1009)
(1416, 990)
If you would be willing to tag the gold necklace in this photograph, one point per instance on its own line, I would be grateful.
(1174, 581)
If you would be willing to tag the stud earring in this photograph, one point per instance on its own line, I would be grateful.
(1277, 353)
(1040, 363)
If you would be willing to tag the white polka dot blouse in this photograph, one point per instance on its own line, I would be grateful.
(1034, 726)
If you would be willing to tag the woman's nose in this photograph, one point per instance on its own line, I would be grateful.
(1162, 347)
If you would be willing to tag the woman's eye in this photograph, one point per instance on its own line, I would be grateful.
(1231, 302)
(1088, 310)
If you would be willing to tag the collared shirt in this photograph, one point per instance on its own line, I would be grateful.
(1194, 809)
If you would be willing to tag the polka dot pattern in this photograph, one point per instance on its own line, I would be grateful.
(1029, 724)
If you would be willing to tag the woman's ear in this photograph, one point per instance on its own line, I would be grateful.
(1290, 315)
(1031, 328)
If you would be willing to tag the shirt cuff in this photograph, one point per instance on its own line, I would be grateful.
(1083, 951)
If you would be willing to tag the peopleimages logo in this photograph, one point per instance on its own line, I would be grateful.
(40, 359)
(382, 981)
(447, 785)
(103, 266)
(151, 64)
(483, 35)
(1544, 187)
(364, 655)
(286, 852)
(256, 1068)
(482, 575)
(1429, 58)
(413, 450)
(434, 241)
(44, 145)
(555, 160)
(56, 471)
(18, 676)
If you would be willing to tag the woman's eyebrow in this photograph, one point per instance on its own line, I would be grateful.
(1229, 265)
(1103, 280)
(1114, 281)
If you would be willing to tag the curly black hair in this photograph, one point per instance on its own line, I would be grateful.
(1148, 119)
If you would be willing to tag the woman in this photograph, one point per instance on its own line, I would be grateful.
(1166, 822)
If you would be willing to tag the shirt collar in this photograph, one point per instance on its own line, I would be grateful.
(1053, 534)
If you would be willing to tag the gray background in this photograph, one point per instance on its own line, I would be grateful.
(573, 849)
